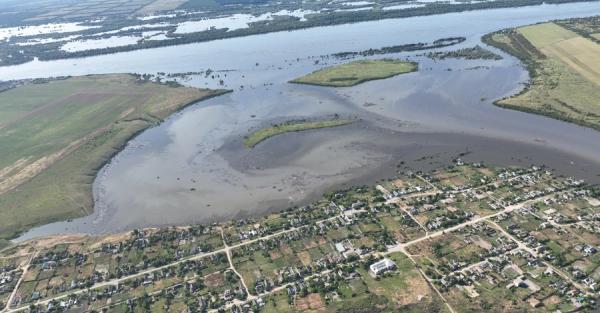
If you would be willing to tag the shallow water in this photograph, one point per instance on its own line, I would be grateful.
(194, 167)
(91, 44)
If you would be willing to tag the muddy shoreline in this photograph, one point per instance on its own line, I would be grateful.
(193, 168)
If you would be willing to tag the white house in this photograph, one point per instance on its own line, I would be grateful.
(382, 266)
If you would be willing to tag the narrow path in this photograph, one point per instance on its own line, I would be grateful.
(429, 280)
(405, 209)
(232, 268)
(14, 292)
(535, 254)
(427, 182)
(400, 247)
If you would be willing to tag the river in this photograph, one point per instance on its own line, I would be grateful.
(194, 167)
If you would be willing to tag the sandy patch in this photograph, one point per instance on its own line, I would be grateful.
(310, 244)
(593, 201)
(30, 171)
(287, 250)
(112, 239)
(274, 254)
(398, 183)
(304, 257)
(418, 290)
(311, 302)
(482, 243)
(48, 242)
(214, 280)
(7, 170)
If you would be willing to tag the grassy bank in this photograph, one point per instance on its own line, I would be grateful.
(57, 135)
(258, 136)
(357, 72)
(563, 65)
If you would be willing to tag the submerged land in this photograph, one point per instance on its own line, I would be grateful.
(563, 59)
(56, 135)
(465, 238)
(460, 238)
(52, 29)
(357, 72)
(291, 126)
(473, 53)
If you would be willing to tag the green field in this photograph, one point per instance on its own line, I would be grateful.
(260, 135)
(564, 64)
(56, 135)
(357, 72)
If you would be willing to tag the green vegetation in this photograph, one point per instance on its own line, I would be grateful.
(293, 126)
(473, 53)
(563, 61)
(322, 257)
(56, 135)
(357, 72)
(119, 23)
(438, 43)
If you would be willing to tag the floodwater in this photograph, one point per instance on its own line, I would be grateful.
(236, 21)
(194, 167)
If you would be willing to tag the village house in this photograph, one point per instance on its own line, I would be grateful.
(381, 266)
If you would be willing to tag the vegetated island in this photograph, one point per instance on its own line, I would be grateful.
(357, 72)
(471, 53)
(438, 43)
(12, 53)
(291, 126)
(57, 134)
(563, 60)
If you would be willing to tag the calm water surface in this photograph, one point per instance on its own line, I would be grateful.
(194, 167)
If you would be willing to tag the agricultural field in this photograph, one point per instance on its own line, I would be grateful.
(46, 165)
(357, 72)
(51, 10)
(293, 126)
(563, 61)
(31, 22)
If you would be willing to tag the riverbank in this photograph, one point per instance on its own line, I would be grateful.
(560, 58)
(53, 50)
(48, 166)
(358, 247)
(202, 148)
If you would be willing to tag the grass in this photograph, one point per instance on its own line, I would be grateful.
(57, 135)
(543, 35)
(294, 126)
(406, 289)
(564, 68)
(357, 72)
